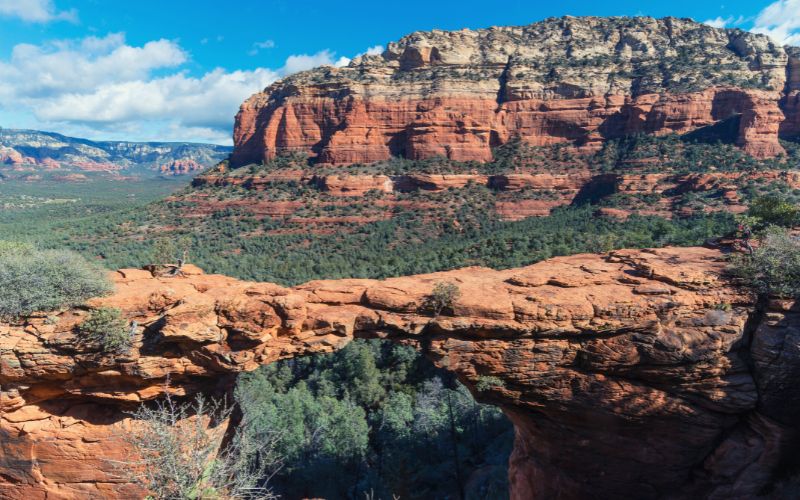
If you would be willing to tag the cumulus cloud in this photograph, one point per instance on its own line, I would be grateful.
(70, 66)
(344, 61)
(781, 21)
(207, 101)
(35, 11)
(374, 51)
(103, 87)
(302, 62)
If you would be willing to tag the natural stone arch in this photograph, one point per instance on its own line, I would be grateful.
(642, 373)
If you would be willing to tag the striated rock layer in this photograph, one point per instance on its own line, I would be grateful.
(578, 81)
(548, 190)
(639, 374)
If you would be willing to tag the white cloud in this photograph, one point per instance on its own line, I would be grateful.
(80, 66)
(259, 46)
(374, 51)
(781, 21)
(101, 87)
(344, 61)
(207, 101)
(35, 11)
(302, 62)
(718, 22)
(725, 22)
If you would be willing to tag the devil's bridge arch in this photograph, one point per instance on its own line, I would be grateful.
(642, 373)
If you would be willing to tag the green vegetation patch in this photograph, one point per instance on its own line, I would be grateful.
(33, 280)
(107, 329)
(375, 417)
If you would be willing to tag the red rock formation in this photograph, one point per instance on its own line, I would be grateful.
(50, 163)
(96, 166)
(791, 107)
(641, 183)
(10, 156)
(643, 374)
(578, 81)
(181, 166)
(516, 195)
(353, 185)
(348, 134)
(573, 181)
(760, 122)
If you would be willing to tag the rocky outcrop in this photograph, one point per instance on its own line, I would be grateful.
(352, 185)
(793, 72)
(791, 107)
(10, 156)
(578, 81)
(639, 374)
(516, 196)
(181, 166)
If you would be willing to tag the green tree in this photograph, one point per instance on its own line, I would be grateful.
(442, 297)
(168, 250)
(416, 437)
(774, 265)
(107, 329)
(774, 210)
(358, 371)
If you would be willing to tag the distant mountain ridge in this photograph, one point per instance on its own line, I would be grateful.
(23, 149)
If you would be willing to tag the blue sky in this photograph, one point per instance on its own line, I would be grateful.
(177, 70)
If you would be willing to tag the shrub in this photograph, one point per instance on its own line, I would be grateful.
(442, 297)
(15, 247)
(169, 250)
(108, 329)
(45, 280)
(177, 454)
(774, 266)
(774, 210)
(486, 382)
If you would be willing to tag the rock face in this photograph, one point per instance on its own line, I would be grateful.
(181, 166)
(638, 374)
(577, 81)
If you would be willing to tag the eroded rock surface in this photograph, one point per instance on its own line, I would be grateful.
(577, 81)
(639, 374)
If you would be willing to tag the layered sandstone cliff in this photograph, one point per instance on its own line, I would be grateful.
(640, 374)
(578, 81)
